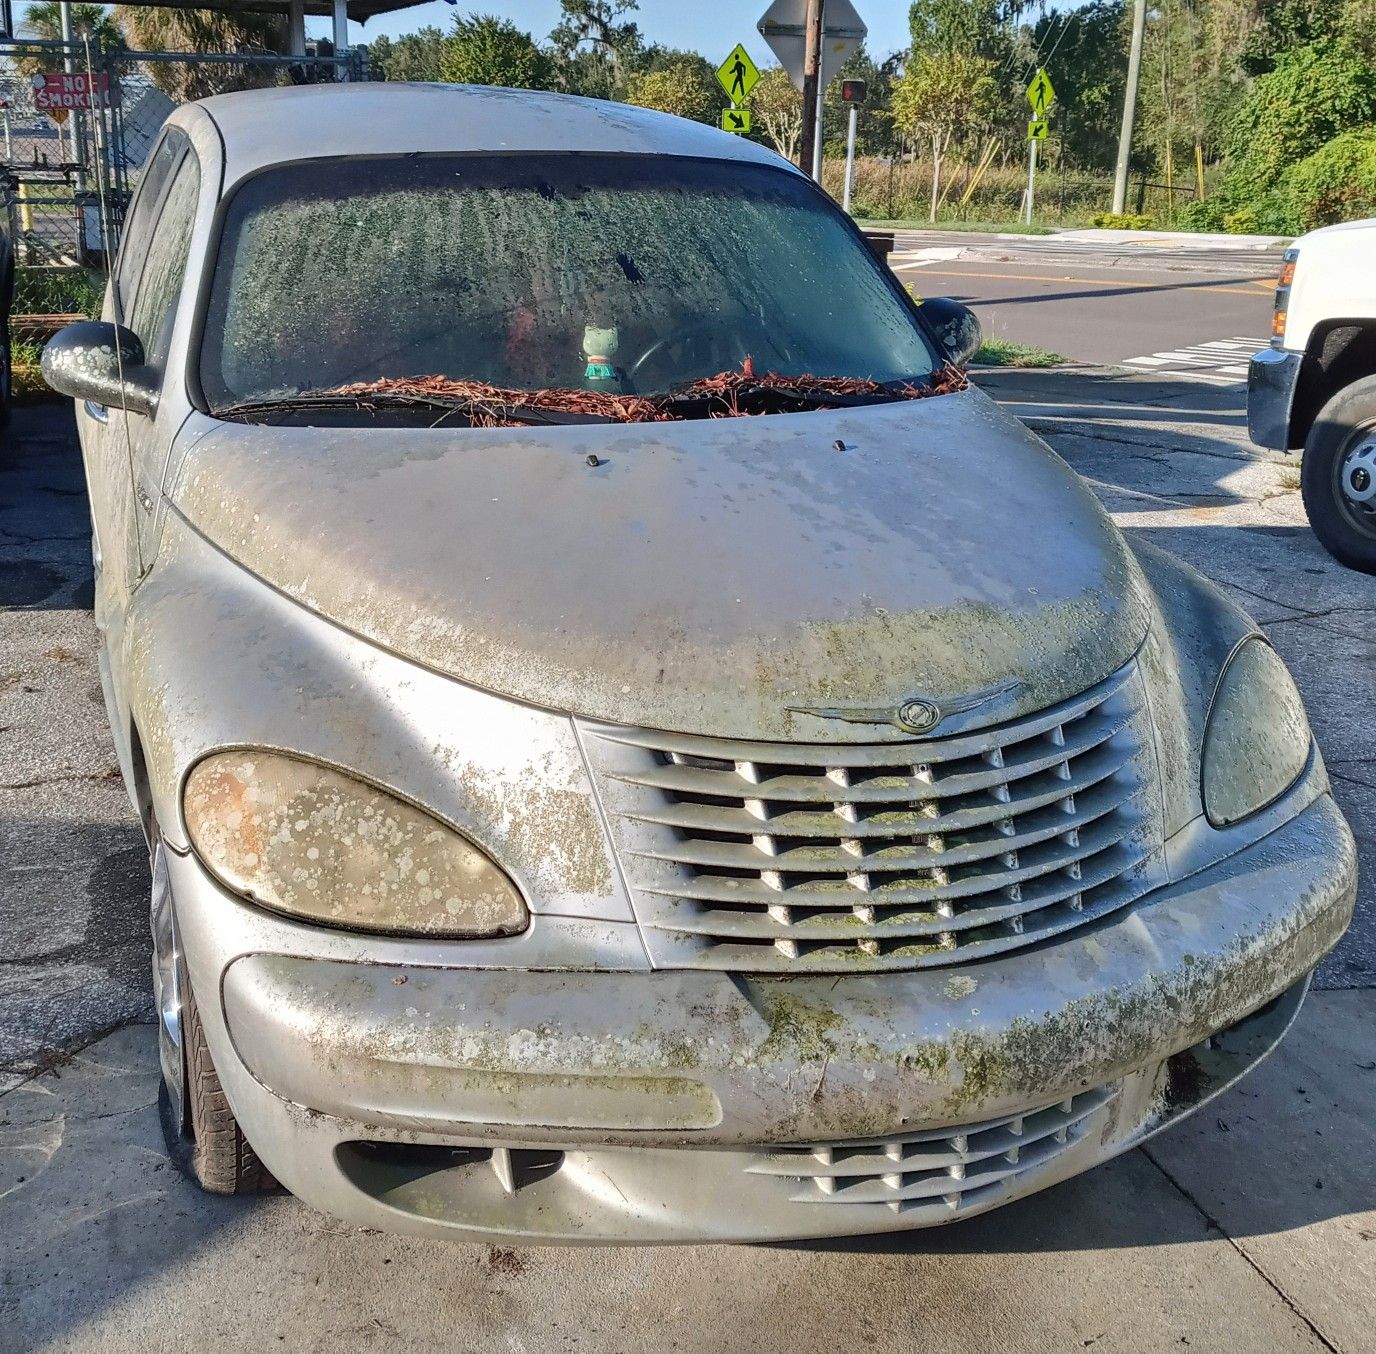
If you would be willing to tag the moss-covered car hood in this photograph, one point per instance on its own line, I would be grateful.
(703, 576)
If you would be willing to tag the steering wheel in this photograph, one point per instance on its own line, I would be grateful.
(667, 341)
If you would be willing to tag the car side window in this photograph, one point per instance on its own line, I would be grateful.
(138, 225)
(164, 268)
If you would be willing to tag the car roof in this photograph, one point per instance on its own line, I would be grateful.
(268, 126)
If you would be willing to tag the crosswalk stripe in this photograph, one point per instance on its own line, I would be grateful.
(1216, 361)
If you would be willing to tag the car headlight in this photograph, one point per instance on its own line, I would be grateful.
(304, 839)
(1257, 740)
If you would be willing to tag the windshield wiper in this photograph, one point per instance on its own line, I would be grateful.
(447, 407)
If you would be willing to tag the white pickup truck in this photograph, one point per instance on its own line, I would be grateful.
(1315, 387)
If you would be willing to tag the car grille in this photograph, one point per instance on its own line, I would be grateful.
(945, 1169)
(783, 857)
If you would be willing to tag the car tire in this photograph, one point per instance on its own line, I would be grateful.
(211, 1149)
(202, 1135)
(1339, 464)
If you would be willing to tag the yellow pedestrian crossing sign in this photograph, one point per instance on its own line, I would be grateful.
(1037, 130)
(738, 75)
(735, 120)
(1041, 94)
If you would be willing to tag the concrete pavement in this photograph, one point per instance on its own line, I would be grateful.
(1254, 1224)
(1249, 1228)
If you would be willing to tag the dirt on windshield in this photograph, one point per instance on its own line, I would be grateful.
(719, 396)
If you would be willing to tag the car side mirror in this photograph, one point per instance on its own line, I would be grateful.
(102, 363)
(955, 328)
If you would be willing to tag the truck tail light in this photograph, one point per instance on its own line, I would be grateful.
(1287, 276)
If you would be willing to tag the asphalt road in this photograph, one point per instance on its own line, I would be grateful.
(1093, 303)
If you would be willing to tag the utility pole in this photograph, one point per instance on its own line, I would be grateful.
(75, 123)
(810, 154)
(1120, 173)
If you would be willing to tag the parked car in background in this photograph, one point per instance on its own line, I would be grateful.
(1315, 387)
(633, 746)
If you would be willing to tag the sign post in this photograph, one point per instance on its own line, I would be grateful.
(794, 29)
(853, 94)
(1041, 94)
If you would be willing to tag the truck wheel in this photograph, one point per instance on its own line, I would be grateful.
(1338, 476)
(203, 1137)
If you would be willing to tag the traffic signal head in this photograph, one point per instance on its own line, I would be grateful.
(853, 91)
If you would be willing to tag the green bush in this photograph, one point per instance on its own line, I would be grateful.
(1336, 183)
(1205, 215)
(1122, 221)
(1243, 222)
(1313, 95)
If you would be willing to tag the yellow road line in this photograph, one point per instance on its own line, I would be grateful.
(1079, 281)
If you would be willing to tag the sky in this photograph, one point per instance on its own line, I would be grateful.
(712, 29)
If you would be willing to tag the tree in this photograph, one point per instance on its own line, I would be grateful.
(964, 27)
(203, 30)
(684, 85)
(44, 21)
(486, 50)
(939, 94)
(874, 119)
(595, 46)
(984, 32)
(1336, 183)
(777, 109)
(1313, 94)
(88, 21)
(1283, 25)
(1090, 71)
(413, 56)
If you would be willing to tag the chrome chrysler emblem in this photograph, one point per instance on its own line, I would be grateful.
(919, 715)
(914, 714)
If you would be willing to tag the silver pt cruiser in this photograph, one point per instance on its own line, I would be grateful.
(632, 746)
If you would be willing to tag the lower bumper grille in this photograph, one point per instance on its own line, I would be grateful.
(943, 1169)
(785, 857)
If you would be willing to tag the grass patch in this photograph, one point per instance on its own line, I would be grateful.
(996, 352)
(48, 291)
(25, 374)
(58, 291)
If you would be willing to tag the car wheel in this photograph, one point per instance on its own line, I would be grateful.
(1338, 476)
(202, 1135)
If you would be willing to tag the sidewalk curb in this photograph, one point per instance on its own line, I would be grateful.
(1197, 239)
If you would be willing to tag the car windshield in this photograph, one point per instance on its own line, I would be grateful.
(624, 274)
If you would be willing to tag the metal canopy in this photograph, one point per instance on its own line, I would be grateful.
(359, 10)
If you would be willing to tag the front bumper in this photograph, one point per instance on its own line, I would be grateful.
(662, 1106)
(1272, 376)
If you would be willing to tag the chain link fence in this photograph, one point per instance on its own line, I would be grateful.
(69, 171)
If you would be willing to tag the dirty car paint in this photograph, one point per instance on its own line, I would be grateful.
(705, 576)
